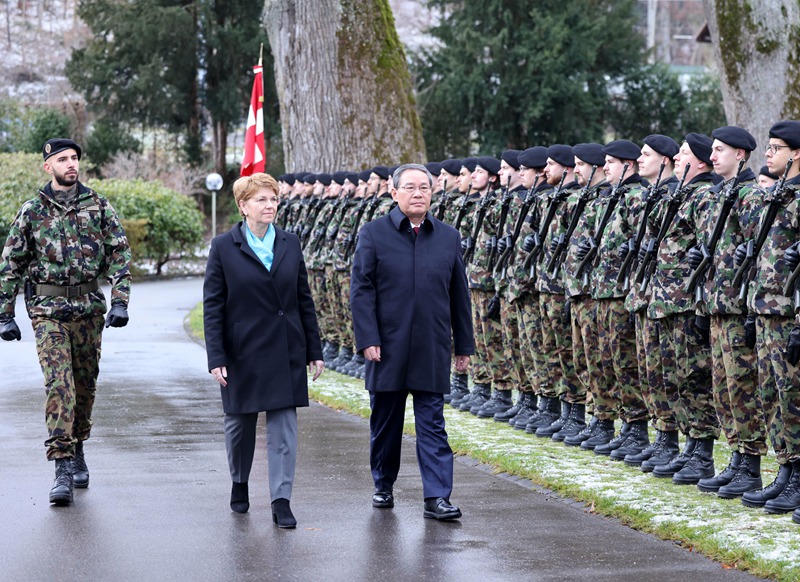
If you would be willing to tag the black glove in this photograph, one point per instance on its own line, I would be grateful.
(117, 315)
(465, 244)
(694, 258)
(793, 346)
(529, 243)
(489, 243)
(703, 325)
(566, 313)
(553, 245)
(643, 252)
(583, 250)
(503, 244)
(792, 256)
(624, 250)
(493, 309)
(740, 255)
(750, 331)
(9, 330)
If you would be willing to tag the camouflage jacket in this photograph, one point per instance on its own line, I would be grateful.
(462, 205)
(317, 238)
(585, 229)
(447, 200)
(345, 242)
(478, 274)
(765, 294)
(545, 283)
(668, 287)
(519, 279)
(56, 245)
(517, 198)
(620, 228)
(720, 294)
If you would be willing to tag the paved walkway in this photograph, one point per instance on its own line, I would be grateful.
(157, 506)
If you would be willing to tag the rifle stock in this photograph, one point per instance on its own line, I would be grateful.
(555, 199)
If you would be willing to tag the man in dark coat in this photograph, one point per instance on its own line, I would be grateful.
(411, 310)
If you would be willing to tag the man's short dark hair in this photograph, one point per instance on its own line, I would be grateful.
(401, 169)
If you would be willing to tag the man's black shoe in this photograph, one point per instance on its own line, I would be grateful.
(383, 499)
(441, 509)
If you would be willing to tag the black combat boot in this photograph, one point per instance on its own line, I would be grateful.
(350, 367)
(330, 354)
(638, 439)
(789, 499)
(61, 493)
(588, 432)
(699, 466)
(345, 355)
(602, 435)
(526, 410)
(551, 429)
(509, 413)
(547, 412)
(676, 464)
(458, 387)
(637, 459)
(747, 478)
(615, 442)
(669, 450)
(480, 394)
(724, 477)
(576, 422)
(796, 516)
(80, 472)
(499, 402)
(759, 497)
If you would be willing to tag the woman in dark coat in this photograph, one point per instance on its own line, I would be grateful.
(261, 331)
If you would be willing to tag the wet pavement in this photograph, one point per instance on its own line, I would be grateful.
(157, 504)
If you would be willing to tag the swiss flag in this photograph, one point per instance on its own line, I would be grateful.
(254, 157)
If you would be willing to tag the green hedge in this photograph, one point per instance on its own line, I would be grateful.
(164, 224)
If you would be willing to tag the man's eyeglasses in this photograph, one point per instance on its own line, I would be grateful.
(409, 189)
(773, 147)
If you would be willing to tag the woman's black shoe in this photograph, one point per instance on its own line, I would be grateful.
(240, 501)
(282, 514)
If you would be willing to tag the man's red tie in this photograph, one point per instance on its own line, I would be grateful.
(416, 230)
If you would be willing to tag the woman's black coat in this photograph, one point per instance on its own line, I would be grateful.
(260, 324)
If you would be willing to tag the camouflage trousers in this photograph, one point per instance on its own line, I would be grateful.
(780, 382)
(585, 359)
(617, 338)
(651, 377)
(331, 322)
(529, 322)
(512, 347)
(491, 365)
(69, 354)
(686, 367)
(557, 344)
(344, 315)
(318, 285)
(734, 377)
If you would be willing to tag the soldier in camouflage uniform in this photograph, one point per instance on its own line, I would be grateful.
(62, 242)
(772, 315)
(734, 370)
(657, 153)
(445, 208)
(685, 352)
(581, 306)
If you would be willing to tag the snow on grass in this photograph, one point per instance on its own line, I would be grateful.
(667, 509)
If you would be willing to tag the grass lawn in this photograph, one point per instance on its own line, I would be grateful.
(725, 530)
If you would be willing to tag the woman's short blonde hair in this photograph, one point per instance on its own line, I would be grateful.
(246, 187)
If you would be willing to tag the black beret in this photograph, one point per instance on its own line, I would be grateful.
(764, 171)
(535, 157)
(434, 168)
(700, 144)
(325, 179)
(591, 153)
(452, 166)
(353, 178)
(363, 175)
(59, 144)
(662, 144)
(309, 178)
(562, 154)
(490, 164)
(289, 179)
(511, 157)
(469, 164)
(788, 130)
(623, 149)
(736, 137)
(381, 171)
(339, 177)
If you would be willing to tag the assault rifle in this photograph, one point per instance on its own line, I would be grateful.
(594, 241)
(506, 255)
(675, 200)
(743, 275)
(483, 206)
(351, 238)
(557, 196)
(443, 202)
(501, 225)
(792, 287)
(563, 239)
(697, 280)
(650, 198)
(462, 209)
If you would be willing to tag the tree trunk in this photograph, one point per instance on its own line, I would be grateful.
(343, 85)
(219, 147)
(755, 45)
